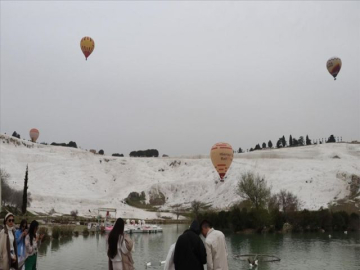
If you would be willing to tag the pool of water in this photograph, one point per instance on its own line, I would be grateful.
(297, 251)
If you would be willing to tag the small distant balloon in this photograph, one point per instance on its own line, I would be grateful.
(334, 65)
(87, 46)
(221, 155)
(34, 134)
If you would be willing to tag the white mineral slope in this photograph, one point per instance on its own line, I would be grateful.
(67, 179)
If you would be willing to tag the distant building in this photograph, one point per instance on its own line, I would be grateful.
(93, 151)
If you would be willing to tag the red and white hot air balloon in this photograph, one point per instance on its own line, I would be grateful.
(34, 134)
(221, 155)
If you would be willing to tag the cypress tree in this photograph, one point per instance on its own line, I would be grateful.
(24, 203)
(290, 141)
(270, 144)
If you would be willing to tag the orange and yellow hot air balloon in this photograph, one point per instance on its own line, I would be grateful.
(221, 155)
(334, 65)
(34, 134)
(87, 46)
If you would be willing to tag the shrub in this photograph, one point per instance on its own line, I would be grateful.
(45, 232)
(67, 231)
(85, 232)
(56, 232)
(145, 153)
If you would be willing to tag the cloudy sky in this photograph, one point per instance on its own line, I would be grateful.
(179, 76)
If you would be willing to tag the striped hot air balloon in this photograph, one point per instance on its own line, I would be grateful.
(87, 46)
(34, 134)
(221, 155)
(334, 65)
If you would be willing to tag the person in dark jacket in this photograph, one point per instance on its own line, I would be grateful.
(190, 253)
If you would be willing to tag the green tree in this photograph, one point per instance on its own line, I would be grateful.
(254, 188)
(308, 141)
(290, 141)
(301, 141)
(331, 139)
(270, 145)
(25, 199)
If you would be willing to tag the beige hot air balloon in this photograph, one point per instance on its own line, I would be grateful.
(87, 46)
(34, 134)
(221, 155)
(334, 65)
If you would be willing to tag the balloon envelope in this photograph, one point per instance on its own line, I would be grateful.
(87, 46)
(221, 155)
(34, 134)
(334, 65)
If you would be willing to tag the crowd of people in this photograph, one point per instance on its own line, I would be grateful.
(18, 247)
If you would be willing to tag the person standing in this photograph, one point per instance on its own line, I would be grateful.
(215, 247)
(119, 248)
(32, 243)
(20, 235)
(8, 249)
(190, 253)
(169, 262)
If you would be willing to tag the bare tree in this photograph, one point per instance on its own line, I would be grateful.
(74, 213)
(254, 188)
(178, 211)
(9, 195)
(288, 202)
(273, 203)
(6, 191)
(196, 207)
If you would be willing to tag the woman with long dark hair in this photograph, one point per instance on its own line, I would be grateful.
(20, 235)
(32, 242)
(119, 248)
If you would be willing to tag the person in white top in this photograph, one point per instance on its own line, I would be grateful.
(215, 245)
(119, 248)
(8, 250)
(169, 263)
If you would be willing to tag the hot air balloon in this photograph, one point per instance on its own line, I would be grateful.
(221, 155)
(34, 134)
(87, 46)
(334, 65)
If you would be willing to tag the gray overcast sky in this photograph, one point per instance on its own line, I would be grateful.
(179, 76)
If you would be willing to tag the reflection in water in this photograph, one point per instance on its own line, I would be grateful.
(55, 244)
(44, 247)
(297, 251)
(65, 240)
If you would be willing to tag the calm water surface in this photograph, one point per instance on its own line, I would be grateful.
(297, 251)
